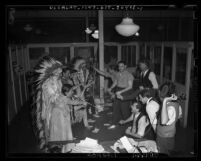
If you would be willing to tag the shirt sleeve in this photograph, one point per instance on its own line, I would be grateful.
(152, 78)
(130, 77)
(141, 126)
(107, 74)
(151, 109)
(171, 115)
(180, 112)
(114, 77)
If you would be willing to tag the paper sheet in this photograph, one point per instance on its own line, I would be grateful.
(126, 143)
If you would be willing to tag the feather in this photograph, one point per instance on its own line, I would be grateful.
(42, 144)
(47, 88)
(41, 134)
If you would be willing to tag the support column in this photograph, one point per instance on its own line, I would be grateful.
(174, 62)
(18, 74)
(188, 75)
(12, 79)
(101, 52)
(24, 73)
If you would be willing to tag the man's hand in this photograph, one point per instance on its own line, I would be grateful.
(128, 130)
(141, 87)
(118, 93)
(173, 97)
(84, 103)
(109, 90)
(112, 95)
(119, 96)
(121, 122)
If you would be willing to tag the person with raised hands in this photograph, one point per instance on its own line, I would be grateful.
(168, 116)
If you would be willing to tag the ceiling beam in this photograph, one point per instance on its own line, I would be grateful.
(66, 14)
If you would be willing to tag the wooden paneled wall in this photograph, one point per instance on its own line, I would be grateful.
(17, 66)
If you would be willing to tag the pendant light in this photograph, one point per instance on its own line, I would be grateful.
(127, 27)
(95, 34)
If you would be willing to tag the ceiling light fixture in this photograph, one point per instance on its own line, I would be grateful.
(137, 34)
(90, 29)
(127, 27)
(95, 34)
(93, 31)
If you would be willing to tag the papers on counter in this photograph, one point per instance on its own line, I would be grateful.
(88, 146)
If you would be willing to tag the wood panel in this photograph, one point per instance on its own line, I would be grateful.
(10, 97)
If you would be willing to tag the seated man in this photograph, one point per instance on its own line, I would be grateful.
(141, 128)
(147, 80)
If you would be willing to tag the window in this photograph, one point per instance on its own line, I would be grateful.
(110, 54)
(148, 53)
(142, 51)
(61, 54)
(157, 60)
(86, 52)
(35, 54)
(167, 66)
(129, 55)
(181, 59)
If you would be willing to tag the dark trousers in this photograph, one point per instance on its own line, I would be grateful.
(121, 109)
(165, 145)
(131, 95)
(91, 106)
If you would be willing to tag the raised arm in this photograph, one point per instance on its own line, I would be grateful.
(102, 72)
(164, 111)
(75, 102)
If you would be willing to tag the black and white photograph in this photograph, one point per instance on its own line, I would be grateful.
(102, 81)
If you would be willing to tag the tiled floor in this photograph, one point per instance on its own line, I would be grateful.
(21, 138)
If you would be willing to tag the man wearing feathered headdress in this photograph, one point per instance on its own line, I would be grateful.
(53, 114)
(81, 76)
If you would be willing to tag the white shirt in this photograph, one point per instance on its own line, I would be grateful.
(172, 114)
(152, 78)
(142, 124)
(151, 108)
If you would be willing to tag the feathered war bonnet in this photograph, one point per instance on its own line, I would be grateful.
(49, 68)
(48, 84)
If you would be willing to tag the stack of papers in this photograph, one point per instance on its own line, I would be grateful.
(88, 146)
(127, 145)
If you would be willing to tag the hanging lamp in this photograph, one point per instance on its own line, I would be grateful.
(127, 27)
(95, 34)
